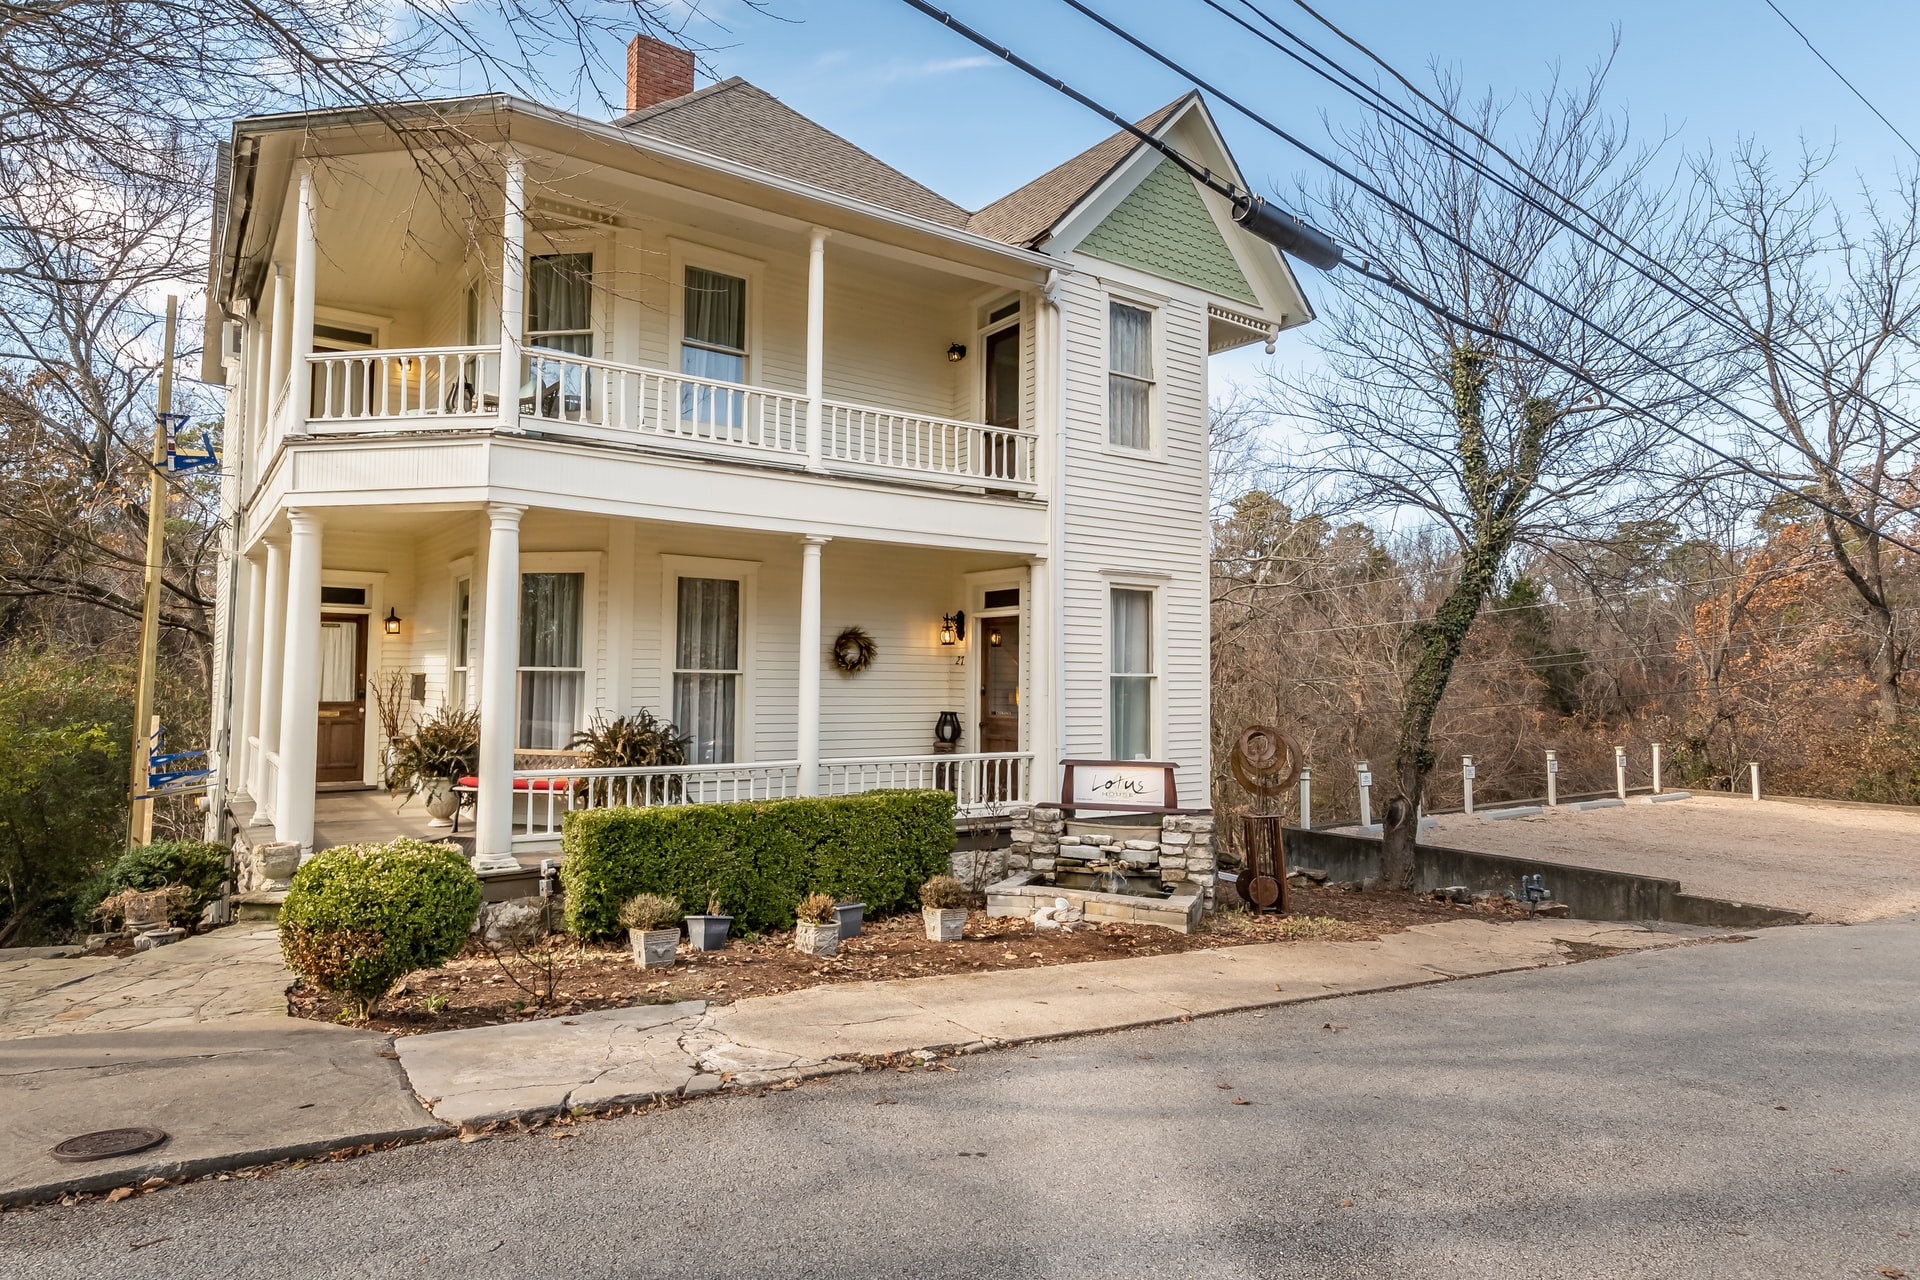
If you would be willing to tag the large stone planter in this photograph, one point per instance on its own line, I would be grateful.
(817, 939)
(944, 924)
(274, 865)
(654, 948)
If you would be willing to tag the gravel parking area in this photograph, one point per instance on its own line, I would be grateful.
(1841, 863)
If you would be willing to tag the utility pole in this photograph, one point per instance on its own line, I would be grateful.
(140, 809)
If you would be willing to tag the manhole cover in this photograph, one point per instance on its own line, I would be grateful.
(108, 1143)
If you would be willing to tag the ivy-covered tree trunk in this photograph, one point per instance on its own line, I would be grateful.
(1495, 497)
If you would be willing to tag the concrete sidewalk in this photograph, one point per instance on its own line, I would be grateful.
(536, 1069)
(235, 972)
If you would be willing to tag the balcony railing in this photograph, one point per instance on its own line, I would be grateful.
(980, 783)
(431, 388)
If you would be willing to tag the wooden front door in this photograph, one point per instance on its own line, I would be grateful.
(999, 684)
(341, 751)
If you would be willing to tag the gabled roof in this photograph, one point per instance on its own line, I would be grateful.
(737, 121)
(1025, 216)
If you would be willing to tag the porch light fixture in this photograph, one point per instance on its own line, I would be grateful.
(993, 638)
(953, 628)
(391, 622)
(956, 353)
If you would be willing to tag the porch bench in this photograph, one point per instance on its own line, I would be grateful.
(468, 786)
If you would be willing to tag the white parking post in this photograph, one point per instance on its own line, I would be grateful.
(1553, 780)
(1656, 768)
(1466, 783)
(1306, 798)
(1366, 794)
(1753, 770)
(1620, 771)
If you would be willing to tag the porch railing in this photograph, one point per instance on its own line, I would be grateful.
(886, 441)
(424, 387)
(355, 387)
(980, 783)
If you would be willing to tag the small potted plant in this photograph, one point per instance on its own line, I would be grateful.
(943, 906)
(653, 929)
(709, 932)
(816, 929)
(852, 916)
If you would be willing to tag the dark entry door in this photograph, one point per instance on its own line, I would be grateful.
(1003, 401)
(341, 751)
(1000, 684)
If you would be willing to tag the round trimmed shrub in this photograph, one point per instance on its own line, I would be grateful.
(198, 865)
(359, 918)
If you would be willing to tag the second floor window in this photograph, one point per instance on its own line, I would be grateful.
(560, 302)
(1129, 376)
(713, 341)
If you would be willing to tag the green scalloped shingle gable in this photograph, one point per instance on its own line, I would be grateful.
(1163, 226)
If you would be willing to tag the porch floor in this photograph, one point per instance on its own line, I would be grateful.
(361, 817)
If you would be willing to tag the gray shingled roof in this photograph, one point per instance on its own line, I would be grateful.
(736, 121)
(1025, 216)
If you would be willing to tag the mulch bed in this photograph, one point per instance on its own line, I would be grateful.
(563, 976)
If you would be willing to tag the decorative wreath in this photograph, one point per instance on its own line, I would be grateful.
(853, 650)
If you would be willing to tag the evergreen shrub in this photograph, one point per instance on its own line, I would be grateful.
(199, 866)
(758, 858)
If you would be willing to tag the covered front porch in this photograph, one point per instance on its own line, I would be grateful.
(544, 622)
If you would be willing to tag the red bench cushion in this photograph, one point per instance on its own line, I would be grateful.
(525, 784)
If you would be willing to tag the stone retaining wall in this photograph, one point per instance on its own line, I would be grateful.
(1183, 856)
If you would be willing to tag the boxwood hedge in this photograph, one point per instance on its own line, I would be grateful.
(759, 858)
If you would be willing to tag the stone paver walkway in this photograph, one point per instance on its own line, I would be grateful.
(230, 973)
(615, 1056)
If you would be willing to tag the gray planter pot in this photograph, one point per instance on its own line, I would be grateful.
(442, 802)
(817, 939)
(852, 916)
(654, 948)
(708, 933)
(944, 924)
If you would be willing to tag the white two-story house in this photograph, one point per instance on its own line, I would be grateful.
(565, 418)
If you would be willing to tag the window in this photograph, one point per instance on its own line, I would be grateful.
(1130, 710)
(713, 342)
(706, 667)
(460, 661)
(1129, 376)
(553, 675)
(560, 303)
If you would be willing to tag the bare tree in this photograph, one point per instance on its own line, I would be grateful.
(1827, 317)
(1419, 419)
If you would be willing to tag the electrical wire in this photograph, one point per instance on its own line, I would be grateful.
(1386, 279)
(1842, 79)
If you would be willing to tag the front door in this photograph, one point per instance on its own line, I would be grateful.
(340, 755)
(1003, 401)
(1000, 684)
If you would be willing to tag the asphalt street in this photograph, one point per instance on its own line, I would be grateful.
(1726, 1109)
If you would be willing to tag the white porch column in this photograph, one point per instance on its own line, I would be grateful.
(499, 662)
(816, 345)
(808, 712)
(300, 686)
(305, 260)
(1039, 716)
(279, 345)
(273, 649)
(246, 715)
(513, 285)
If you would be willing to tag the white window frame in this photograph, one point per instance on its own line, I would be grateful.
(564, 248)
(682, 254)
(986, 329)
(747, 574)
(591, 624)
(458, 571)
(1153, 587)
(1156, 309)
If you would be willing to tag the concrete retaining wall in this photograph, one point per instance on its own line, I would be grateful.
(1590, 893)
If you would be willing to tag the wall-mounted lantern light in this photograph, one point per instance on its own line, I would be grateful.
(993, 637)
(391, 622)
(953, 628)
(956, 353)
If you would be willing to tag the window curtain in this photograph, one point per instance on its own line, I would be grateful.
(1132, 675)
(560, 297)
(337, 661)
(1130, 360)
(550, 643)
(706, 667)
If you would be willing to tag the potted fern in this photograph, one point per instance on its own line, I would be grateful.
(709, 932)
(653, 929)
(443, 749)
(816, 929)
(639, 741)
(943, 907)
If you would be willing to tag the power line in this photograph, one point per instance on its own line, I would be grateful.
(1843, 79)
(1287, 235)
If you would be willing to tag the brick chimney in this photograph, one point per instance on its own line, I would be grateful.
(656, 71)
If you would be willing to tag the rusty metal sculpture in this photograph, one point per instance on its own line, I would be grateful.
(1266, 762)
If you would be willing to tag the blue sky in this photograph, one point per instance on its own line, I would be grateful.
(1705, 71)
